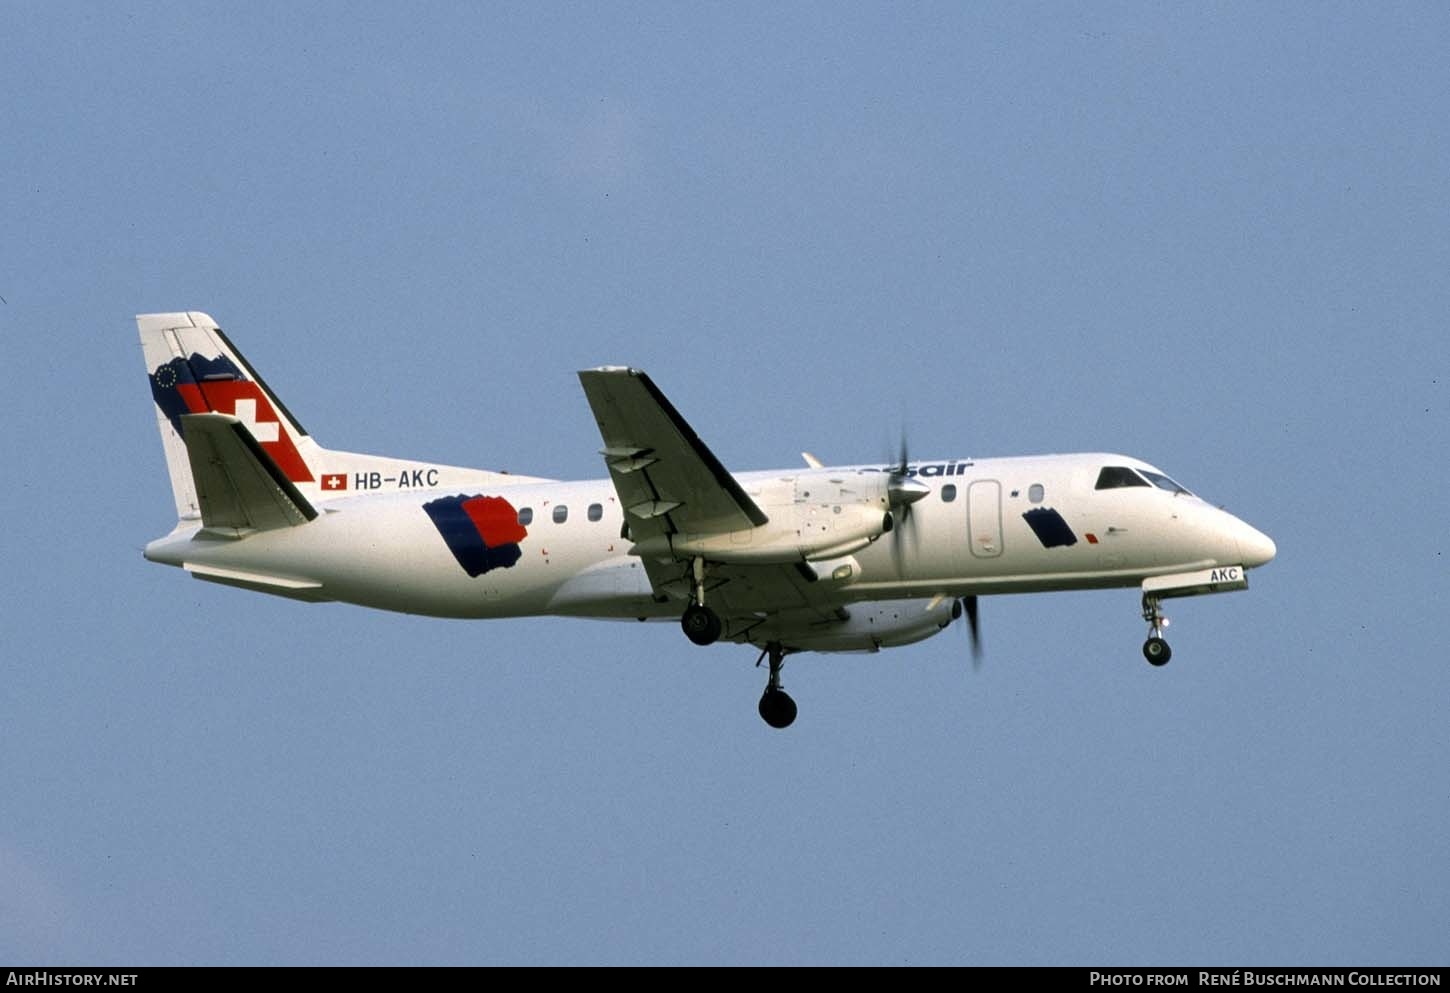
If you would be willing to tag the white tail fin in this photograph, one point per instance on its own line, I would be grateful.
(194, 369)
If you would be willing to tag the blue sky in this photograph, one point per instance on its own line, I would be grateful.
(1215, 237)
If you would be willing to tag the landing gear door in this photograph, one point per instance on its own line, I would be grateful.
(984, 518)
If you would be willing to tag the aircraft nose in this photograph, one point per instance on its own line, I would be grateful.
(1255, 547)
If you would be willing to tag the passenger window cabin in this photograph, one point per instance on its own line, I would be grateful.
(596, 512)
(561, 513)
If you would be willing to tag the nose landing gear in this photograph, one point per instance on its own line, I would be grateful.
(1155, 649)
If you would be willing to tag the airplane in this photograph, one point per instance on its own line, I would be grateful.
(818, 558)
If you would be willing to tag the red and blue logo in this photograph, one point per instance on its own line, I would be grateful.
(1051, 529)
(482, 532)
(199, 385)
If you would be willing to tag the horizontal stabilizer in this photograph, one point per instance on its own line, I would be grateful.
(306, 590)
(239, 487)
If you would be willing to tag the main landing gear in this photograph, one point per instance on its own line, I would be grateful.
(700, 624)
(1155, 649)
(776, 707)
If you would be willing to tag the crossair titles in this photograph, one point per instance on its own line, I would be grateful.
(949, 468)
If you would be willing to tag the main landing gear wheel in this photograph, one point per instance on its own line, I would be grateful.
(700, 624)
(776, 707)
(1156, 651)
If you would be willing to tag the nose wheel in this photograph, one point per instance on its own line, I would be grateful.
(776, 707)
(1155, 649)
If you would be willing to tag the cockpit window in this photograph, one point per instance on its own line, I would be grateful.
(1117, 476)
(1164, 483)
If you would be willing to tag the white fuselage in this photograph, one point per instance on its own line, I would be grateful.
(822, 559)
(987, 526)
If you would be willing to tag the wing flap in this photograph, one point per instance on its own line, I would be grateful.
(744, 595)
(239, 487)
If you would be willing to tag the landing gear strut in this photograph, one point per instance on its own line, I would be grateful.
(1155, 649)
(776, 707)
(700, 624)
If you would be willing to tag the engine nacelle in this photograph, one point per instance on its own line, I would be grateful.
(866, 628)
(813, 518)
(825, 531)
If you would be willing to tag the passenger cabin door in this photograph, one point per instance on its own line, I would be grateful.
(984, 518)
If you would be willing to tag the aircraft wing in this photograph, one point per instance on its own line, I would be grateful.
(238, 486)
(667, 480)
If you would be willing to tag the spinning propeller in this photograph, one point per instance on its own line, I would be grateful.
(901, 492)
(968, 605)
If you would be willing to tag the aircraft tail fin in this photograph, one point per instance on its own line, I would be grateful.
(195, 370)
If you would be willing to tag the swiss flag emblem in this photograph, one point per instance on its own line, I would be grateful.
(334, 481)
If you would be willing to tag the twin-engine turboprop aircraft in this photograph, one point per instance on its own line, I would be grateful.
(827, 559)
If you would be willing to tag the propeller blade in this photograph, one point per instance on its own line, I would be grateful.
(968, 605)
(901, 492)
(974, 628)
